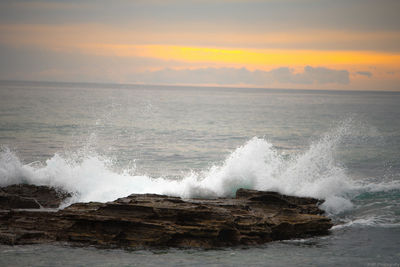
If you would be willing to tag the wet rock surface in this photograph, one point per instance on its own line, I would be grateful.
(25, 196)
(149, 220)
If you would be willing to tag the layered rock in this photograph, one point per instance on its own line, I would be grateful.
(25, 196)
(149, 220)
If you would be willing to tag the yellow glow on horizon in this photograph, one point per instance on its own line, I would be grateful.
(128, 49)
(108, 41)
(248, 56)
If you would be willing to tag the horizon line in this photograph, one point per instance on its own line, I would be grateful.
(198, 86)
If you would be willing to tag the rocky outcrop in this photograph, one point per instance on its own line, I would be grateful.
(25, 196)
(149, 220)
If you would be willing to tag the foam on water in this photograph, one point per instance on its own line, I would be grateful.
(368, 221)
(255, 165)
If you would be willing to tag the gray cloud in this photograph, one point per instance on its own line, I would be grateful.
(364, 73)
(38, 64)
(223, 76)
(30, 63)
(265, 15)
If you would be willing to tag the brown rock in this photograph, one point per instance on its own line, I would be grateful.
(149, 220)
(25, 196)
(8, 201)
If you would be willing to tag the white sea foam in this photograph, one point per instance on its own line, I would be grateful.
(368, 221)
(255, 165)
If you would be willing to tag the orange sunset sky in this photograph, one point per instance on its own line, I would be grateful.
(310, 44)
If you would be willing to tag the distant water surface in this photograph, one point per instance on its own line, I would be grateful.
(104, 141)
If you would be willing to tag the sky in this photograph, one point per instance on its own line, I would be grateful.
(305, 44)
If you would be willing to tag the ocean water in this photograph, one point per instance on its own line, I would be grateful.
(104, 141)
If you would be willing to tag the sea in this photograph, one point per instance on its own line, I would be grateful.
(105, 141)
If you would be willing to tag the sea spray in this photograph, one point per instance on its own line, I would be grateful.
(254, 165)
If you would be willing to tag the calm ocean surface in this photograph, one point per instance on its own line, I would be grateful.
(108, 141)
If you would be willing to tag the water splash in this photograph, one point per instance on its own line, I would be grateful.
(255, 165)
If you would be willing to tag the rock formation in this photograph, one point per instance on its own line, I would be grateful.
(25, 196)
(149, 220)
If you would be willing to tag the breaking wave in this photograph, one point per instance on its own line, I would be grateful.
(254, 165)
